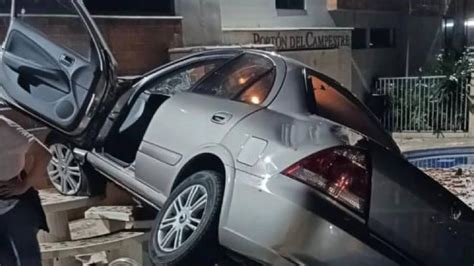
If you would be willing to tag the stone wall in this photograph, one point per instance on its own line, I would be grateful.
(140, 45)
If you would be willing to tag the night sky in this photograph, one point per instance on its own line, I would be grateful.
(106, 7)
(159, 7)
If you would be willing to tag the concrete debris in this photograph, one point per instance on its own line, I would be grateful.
(459, 182)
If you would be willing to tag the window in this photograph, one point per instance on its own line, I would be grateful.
(102, 7)
(359, 38)
(448, 27)
(290, 4)
(382, 38)
(66, 30)
(128, 7)
(335, 103)
(248, 78)
(184, 79)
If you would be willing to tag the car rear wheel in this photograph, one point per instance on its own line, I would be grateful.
(185, 231)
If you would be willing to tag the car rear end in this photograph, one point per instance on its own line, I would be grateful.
(320, 188)
(300, 217)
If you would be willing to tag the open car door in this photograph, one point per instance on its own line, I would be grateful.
(55, 66)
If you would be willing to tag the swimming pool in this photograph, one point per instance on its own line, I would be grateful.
(445, 158)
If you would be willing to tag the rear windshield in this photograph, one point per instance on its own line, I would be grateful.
(334, 102)
(248, 78)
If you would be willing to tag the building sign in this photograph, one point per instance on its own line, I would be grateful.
(288, 40)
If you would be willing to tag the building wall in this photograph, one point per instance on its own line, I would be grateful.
(369, 63)
(365, 64)
(263, 13)
(326, 49)
(140, 45)
(470, 16)
(425, 40)
(201, 21)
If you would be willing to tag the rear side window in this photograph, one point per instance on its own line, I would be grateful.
(248, 78)
(335, 103)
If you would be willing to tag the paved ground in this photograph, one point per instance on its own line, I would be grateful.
(429, 143)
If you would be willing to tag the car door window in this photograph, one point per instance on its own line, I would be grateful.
(248, 78)
(184, 78)
(58, 22)
(337, 104)
(332, 104)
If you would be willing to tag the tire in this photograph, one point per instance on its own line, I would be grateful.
(199, 240)
(67, 175)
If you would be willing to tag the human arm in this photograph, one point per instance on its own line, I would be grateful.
(36, 162)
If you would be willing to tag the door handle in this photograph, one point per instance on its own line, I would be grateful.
(221, 118)
(66, 60)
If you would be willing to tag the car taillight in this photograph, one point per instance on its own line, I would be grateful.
(340, 172)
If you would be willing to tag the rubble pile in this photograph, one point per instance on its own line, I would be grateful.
(459, 182)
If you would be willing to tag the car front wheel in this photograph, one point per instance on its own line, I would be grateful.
(185, 230)
(67, 175)
(64, 171)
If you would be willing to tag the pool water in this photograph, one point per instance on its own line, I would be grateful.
(443, 158)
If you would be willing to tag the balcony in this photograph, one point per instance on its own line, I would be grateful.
(428, 7)
(362, 5)
(413, 7)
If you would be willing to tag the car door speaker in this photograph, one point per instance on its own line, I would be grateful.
(65, 109)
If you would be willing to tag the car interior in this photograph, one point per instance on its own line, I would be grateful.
(131, 131)
(248, 79)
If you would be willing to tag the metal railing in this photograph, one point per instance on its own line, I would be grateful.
(424, 104)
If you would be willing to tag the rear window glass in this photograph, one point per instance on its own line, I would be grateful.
(248, 78)
(183, 79)
(337, 104)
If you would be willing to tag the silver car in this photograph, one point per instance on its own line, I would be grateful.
(243, 149)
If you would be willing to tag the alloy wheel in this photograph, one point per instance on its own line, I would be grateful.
(63, 170)
(182, 218)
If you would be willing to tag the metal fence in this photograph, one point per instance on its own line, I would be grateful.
(425, 104)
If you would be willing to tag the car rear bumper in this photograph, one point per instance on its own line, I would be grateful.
(274, 221)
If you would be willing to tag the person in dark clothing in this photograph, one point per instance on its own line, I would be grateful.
(22, 160)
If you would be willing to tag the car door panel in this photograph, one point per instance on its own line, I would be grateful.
(51, 82)
(412, 211)
(29, 44)
(34, 75)
(182, 126)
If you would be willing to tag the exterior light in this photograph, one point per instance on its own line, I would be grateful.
(449, 24)
(469, 23)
